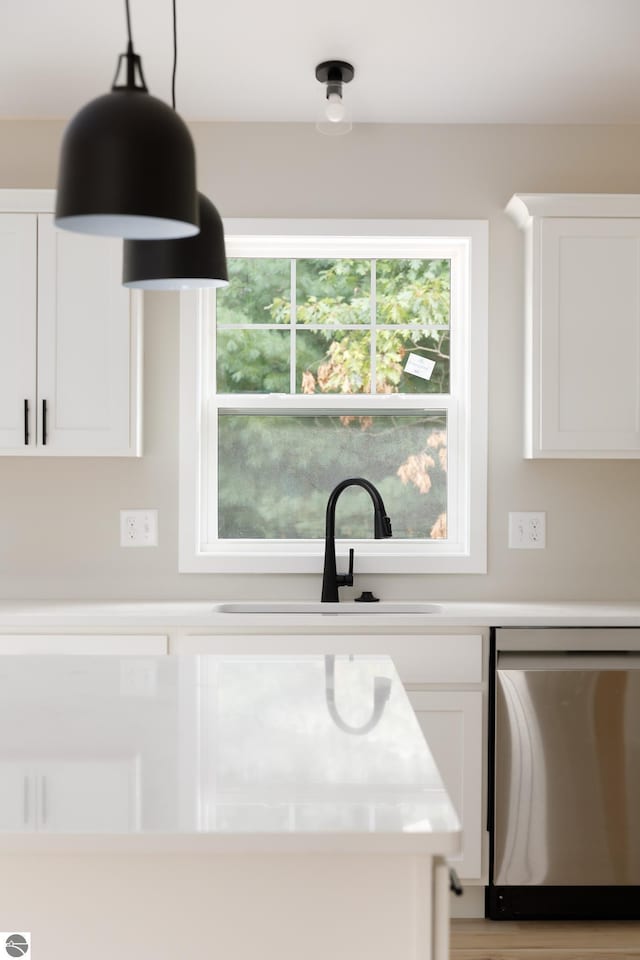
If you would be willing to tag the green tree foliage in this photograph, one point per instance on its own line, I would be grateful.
(337, 292)
(276, 472)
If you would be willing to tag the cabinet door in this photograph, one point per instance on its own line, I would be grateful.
(17, 330)
(88, 350)
(586, 338)
(452, 726)
(17, 797)
(93, 796)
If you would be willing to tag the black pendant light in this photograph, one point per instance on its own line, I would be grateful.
(127, 165)
(179, 264)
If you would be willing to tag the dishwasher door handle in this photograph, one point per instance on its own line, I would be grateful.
(568, 661)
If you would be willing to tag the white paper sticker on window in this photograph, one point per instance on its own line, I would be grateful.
(419, 366)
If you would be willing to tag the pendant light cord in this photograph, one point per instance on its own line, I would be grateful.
(175, 56)
(129, 34)
(175, 45)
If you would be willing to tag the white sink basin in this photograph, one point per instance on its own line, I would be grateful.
(332, 609)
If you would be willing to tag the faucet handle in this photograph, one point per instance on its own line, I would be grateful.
(346, 579)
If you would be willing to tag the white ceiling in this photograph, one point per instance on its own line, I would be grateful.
(422, 61)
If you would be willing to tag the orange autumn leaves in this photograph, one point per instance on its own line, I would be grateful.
(347, 369)
(415, 470)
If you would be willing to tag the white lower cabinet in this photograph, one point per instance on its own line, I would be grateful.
(69, 796)
(452, 723)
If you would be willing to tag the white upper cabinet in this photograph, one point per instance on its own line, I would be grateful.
(582, 339)
(70, 350)
(84, 344)
(18, 299)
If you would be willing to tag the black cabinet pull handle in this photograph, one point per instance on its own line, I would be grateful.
(44, 423)
(26, 423)
(454, 883)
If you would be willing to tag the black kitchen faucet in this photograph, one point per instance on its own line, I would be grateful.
(331, 579)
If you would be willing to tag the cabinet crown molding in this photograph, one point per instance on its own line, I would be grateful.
(522, 207)
(27, 201)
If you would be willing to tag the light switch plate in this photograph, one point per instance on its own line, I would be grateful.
(527, 531)
(138, 528)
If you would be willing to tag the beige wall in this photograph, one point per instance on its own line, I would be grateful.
(59, 518)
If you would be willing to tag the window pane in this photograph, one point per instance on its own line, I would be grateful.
(259, 291)
(413, 291)
(253, 361)
(412, 361)
(333, 361)
(333, 291)
(276, 472)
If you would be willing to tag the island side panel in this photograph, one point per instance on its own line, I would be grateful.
(272, 907)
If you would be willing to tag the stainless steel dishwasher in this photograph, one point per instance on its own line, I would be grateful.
(565, 778)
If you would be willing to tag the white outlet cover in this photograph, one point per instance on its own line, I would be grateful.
(138, 528)
(528, 530)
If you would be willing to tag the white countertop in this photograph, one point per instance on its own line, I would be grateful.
(36, 615)
(292, 753)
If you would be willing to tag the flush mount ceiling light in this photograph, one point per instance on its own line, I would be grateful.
(185, 264)
(335, 118)
(127, 164)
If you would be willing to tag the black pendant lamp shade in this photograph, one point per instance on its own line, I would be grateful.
(127, 166)
(179, 264)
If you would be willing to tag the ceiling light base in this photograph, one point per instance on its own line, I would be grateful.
(335, 71)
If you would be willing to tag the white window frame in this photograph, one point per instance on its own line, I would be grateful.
(464, 551)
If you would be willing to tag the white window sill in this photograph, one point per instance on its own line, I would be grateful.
(310, 561)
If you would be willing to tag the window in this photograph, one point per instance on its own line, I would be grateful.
(339, 349)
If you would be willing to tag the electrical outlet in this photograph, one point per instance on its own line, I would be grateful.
(527, 531)
(138, 528)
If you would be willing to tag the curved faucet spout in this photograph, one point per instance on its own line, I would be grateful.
(381, 693)
(331, 579)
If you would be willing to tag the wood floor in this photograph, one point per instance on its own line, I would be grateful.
(489, 940)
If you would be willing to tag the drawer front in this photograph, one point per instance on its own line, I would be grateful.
(442, 658)
(84, 643)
